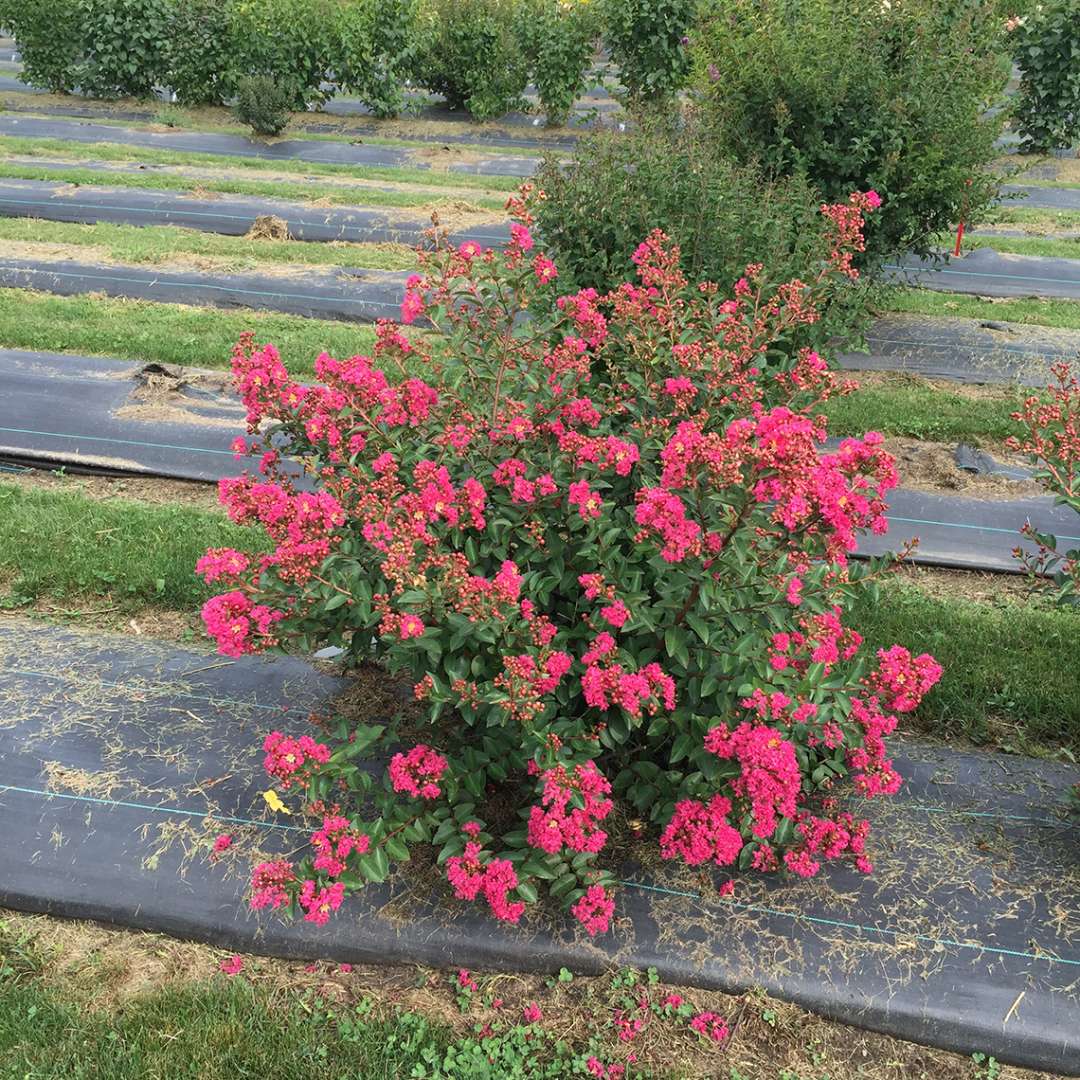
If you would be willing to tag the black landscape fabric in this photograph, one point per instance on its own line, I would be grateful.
(965, 350)
(115, 417)
(342, 294)
(206, 142)
(122, 759)
(986, 272)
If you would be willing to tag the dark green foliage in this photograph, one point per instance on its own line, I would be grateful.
(648, 40)
(373, 50)
(859, 95)
(262, 104)
(1046, 46)
(668, 175)
(469, 52)
(560, 42)
(124, 45)
(49, 40)
(198, 56)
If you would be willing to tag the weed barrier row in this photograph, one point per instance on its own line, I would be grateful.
(986, 272)
(964, 350)
(52, 200)
(965, 937)
(115, 418)
(341, 294)
(317, 151)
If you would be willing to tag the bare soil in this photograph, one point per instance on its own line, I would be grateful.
(148, 489)
(931, 466)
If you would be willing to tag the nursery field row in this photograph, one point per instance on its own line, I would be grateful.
(995, 642)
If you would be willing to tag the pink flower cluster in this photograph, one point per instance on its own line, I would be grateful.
(556, 823)
(663, 515)
(594, 910)
(286, 756)
(700, 832)
(902, 681)
(710, 1025)
(494, 879)
(270, 882)
(238, 625)
(334, 842)
(609, 684)
(417, 773)
(319, 903)
(770, 778)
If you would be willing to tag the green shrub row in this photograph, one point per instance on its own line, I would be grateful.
(480, 54)
(1046, 46)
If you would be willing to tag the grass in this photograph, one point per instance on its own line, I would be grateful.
(87, 1002)
(213, 1030)
(1009, 667)
(1015, 213)
(1047, 247)
(157, 244)
(167, 333)
(121, 152)
(1034, 311)
(909, 406)
(126, 552)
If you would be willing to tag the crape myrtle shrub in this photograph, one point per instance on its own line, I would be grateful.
(605, 546)
(1046, 45)
(105, 48)
(262, 104)
(666, 173)
(374, 51)
(1052, 437)
(859, 94)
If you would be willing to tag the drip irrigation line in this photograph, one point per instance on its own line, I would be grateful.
(844, 925)
(148, 806)
(961, 525)
(123, 442)
(837, 924)
(980, 273)
(224, 701)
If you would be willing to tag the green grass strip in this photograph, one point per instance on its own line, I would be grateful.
(212, 1029)
(131, 553)
(1015, 213)
(1009, 668)
(120, 152)
(909, 406)
(1048, 247)
(163, 243)
(1036, 311)
(144, 331)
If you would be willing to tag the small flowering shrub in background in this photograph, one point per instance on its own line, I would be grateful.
(1053, 438)
(857, 94)
(605, 545)
(1045, 44)
(469, 51)
(262, 104)
(560, 39)
(649, 42)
